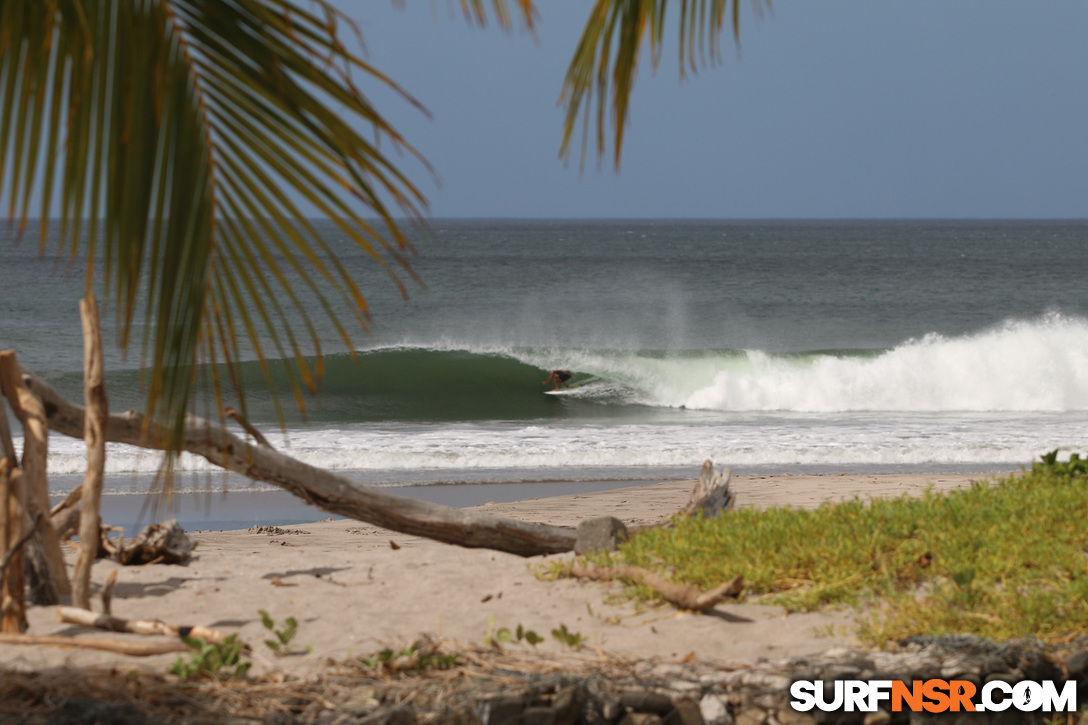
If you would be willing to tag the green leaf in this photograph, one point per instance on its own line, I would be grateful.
(605, 63)
(266, 619)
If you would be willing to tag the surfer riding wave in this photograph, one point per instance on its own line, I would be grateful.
(559, 377)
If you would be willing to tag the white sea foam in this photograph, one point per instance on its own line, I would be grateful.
(1021, 366)
(752, 440)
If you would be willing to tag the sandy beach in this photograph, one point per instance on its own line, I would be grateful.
(356, 589)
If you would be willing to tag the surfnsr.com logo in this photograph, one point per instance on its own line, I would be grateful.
(933, 696)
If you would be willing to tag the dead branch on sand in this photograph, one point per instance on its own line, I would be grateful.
(684, 596)
(148, 627)
(133, 649)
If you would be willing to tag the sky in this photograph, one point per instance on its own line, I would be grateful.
(833, 109)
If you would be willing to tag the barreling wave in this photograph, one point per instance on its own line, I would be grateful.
(1032, 365)
(1037, 365)
(1001, 396)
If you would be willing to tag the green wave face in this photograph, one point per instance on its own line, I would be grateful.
(407, 384)
(430, 385)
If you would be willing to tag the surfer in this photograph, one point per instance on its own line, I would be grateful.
(559, 377)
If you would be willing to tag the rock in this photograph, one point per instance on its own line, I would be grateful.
(715, 710)
(499, 710)
(838, 717)
(768, 682)
(537, 716)
(880, 717)
(89, 712)
(750, 716)
(685, 712)
(600, 534)
(610, 707)
(1076, 665)
(646, 701)
(567, 705)
(641, 718)
(789, 716)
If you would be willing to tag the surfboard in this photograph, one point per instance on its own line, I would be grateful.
(563, 391)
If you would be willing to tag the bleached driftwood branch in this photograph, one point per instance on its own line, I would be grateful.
(12, 581)
(149, 627)
(711, 494)
(94, 423)
(247, 426)
(50, 581)
(320, 488)
(684, 596)
(133, 649)
(14, 549)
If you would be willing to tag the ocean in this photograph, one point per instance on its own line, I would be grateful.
(765, 346)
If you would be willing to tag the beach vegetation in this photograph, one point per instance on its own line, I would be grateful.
(218, 660)
(1000, 559)
(498, 636)
(281, 644)
(419, 656)
(562, 635)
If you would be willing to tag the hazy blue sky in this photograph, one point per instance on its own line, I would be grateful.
(841, 108)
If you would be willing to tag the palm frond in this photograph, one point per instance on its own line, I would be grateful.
(176, 135)
(475, 12)
(605, 63)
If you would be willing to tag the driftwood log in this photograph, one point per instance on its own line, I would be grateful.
(94, 425)
(12, 582)
(684, 596)
(7, 444)
(13, 550)
(147, 627)
(320, 488)
(124, 647)
(164, 542)
(48, 575)
(711, 494)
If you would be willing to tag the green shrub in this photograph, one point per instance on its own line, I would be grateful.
(999, 560)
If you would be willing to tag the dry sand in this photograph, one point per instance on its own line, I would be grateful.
(354, 594)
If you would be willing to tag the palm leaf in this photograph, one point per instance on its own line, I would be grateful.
(172, 137)
(605, 63)
(475, 11)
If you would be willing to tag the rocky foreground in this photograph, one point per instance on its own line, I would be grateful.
(493, 687)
